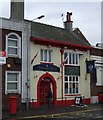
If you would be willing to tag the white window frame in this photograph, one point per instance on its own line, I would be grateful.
(18, 55)
(68, 60)
(18, 82)
(68, 82)
(49, 55)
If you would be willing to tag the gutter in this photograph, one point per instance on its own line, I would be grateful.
(55, 43)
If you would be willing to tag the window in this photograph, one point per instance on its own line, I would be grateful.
(71, 80)
(13, 45)
(45, 55)
(71, 84)
(73, 58)
(12, 84)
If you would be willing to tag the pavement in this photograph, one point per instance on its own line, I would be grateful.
(92, 111)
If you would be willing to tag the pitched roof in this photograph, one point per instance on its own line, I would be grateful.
(39, 30)
(80, 34)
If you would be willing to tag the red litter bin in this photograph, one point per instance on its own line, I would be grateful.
(12, 104)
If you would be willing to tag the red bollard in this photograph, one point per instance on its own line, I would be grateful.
(12, 104)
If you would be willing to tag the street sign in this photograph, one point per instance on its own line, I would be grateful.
(2, 53)
(2, 60)
(2, 57)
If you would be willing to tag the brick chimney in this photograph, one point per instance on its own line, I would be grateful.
(68, 23)
(17, 9)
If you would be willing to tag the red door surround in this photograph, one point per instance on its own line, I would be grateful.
(52, 81)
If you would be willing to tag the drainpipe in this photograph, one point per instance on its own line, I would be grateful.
(1, 76)
(28, 64)
(62, 72)
(0, 92)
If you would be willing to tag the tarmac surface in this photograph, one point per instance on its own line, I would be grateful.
(87, 112)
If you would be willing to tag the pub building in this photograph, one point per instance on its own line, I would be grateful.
(58, 61)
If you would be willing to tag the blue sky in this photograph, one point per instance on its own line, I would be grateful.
(86, 15)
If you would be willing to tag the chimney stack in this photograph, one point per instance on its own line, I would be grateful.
(68, 22)
(17, 10)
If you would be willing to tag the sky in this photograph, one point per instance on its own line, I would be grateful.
(86, 14)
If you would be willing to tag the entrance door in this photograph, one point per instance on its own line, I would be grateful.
(44, 87)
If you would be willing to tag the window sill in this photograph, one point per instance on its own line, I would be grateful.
(13, 56)
(12, 92)
(47, 62)
(72, 94)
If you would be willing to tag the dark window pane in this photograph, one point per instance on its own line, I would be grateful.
(13, 36)
(66, 88)
(70, 78)
(66, 78)
(12, 86)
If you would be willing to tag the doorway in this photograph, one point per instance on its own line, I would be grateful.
(45, 85)
(45, 82)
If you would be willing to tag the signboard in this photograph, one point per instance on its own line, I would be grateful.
(90, 66)
(72, 70)
(2, 60)
(2, 57)
(46, 67)
(78, 100)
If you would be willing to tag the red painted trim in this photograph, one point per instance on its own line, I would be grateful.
(86, 101)
(44, 41)
(53, 84)
(62, 102)
(62, 72)
(34, 105)
(62, 51)
(100, 97)
(65, 102)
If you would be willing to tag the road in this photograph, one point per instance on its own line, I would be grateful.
(91, 112)
(96, 114)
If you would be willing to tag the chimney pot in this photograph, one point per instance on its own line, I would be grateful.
(69, 16)
(68, 22)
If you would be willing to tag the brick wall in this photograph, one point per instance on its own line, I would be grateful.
(16, 65)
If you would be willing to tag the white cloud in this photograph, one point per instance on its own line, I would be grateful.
(86, 15)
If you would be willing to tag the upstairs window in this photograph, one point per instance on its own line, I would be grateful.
(13, 45)
(45, 55)
(71, 58)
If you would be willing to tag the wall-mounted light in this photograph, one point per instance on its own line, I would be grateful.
(9, 65)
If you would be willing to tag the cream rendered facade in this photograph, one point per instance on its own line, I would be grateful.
(84, 77)
(84, 81)
(35, 75)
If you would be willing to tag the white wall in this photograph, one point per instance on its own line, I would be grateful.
(99, 68)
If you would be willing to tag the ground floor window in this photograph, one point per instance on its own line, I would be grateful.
(71, 85)
(12, 82)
